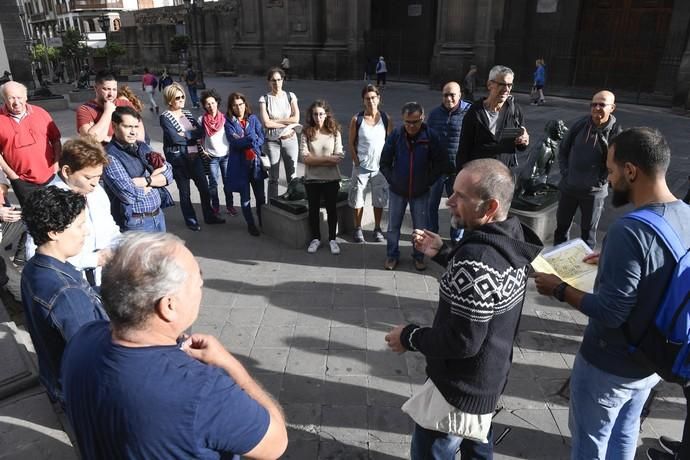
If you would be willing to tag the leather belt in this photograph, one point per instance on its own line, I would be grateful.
(146, 214)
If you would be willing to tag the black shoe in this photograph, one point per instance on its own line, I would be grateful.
(669, 445)
(213, 220)
(253, 231)
(194, 227)
(656, 454)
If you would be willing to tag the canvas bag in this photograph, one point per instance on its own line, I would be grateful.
(430, 410)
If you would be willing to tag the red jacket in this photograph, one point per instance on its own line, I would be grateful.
(27, 146)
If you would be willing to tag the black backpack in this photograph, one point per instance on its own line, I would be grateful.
(360, 119)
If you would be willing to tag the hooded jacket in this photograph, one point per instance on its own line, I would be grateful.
(582, 157)
(469, 348)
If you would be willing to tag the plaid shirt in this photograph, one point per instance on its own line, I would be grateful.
(120, 183)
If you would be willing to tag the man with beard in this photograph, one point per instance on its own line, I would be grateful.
(94, 117)
(608, 387)
(582, 161)
(469, 348)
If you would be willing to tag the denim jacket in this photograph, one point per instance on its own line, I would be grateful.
(57, 302)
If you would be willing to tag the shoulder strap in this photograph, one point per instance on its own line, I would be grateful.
(360, 119)
(289, 96)
(384, 118)
(663, 230)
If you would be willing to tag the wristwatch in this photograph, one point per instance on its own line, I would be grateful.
(559, 291)
(148, 181)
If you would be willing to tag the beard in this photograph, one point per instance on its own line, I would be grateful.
(620, 198)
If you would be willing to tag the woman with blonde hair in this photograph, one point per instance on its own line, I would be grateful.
(181, 136)
(322, 151)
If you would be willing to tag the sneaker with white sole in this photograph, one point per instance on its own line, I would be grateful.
(358, 235)
(656, 454)
(378, 235)
(669, 445)
(335, 249)
(313, 246)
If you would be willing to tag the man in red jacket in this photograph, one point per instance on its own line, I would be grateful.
(29, 142)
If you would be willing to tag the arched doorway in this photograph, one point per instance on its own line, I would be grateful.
(403, 31)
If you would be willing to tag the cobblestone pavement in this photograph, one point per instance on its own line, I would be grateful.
(310, 327)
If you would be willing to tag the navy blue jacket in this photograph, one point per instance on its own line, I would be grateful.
(448, 123)
(412, 165)
(241, 170)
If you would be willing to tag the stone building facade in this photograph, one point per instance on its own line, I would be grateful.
(637, 47)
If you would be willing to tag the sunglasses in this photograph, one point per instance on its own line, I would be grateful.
(596, 105)
(413, 122)
(179, 98)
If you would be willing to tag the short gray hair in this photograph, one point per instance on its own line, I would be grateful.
(3, 88)
(141, 271)
(496, 182)
(499, 70)
(412, 107)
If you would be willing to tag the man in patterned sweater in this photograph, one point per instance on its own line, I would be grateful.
(468, 349)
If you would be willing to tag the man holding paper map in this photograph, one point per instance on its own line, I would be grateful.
(609, 387)
(493, 127)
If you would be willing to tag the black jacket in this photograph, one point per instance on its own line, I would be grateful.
(476, 141)
(469, 348)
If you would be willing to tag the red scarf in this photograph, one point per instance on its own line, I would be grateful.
(213, 124)
(249, 154)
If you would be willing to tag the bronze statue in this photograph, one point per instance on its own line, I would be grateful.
(294, 200)
(532, 189)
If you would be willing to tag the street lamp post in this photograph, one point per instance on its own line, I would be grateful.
(104, 22)
(194, 6)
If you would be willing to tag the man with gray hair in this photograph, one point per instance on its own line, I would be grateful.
(468, 348)
(29, 142)
(494, 126)
(411, 160)
(140, 388)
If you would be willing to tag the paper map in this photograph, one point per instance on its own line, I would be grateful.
(565, 260)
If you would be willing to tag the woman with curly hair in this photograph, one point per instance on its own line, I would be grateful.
(322, 151)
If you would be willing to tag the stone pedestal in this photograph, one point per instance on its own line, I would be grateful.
(51, 104)
(293, 229)
(543, 222)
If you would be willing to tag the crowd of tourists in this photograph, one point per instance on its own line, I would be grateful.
(108, 295)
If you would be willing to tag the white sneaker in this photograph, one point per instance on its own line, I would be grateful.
(335, 249)
(313, 246)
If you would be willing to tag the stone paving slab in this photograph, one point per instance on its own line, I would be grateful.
(311, 327)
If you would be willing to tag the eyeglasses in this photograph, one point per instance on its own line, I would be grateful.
(596, 105)
(180, 98)
(372, 98)
(453, 95)
(502, 84)
(413, 122)
(239, 104)
(276, 79)
(319, 114)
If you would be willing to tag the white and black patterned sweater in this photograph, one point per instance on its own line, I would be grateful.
(469, 347)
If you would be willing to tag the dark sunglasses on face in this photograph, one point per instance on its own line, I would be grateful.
(596, 105)
(179, 98)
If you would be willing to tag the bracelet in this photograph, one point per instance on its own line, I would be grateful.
(559, 291)
(148, 181)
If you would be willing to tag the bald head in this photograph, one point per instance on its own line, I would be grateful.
(602, 106)
(14, 94)
(451, 95)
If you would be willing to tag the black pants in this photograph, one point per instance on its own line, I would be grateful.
(590, 209)
(329, 192)
(684, 452)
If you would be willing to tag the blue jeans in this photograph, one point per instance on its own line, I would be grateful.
(193, 95)
(396, 212)
(605, 412)
(434, 445)
(146, 223)
(246, 201)
(218, 166)
(186, 168)
(435, 194)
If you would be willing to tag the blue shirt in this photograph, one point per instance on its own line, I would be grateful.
(634, 268)
(154, 402)
(57, 303)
